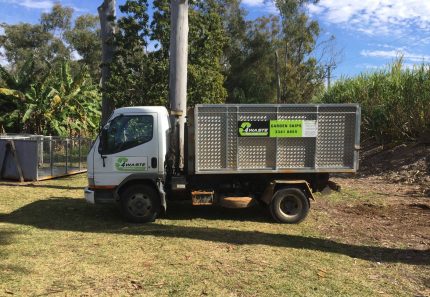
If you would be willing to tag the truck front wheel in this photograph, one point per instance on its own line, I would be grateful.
(140, 204)
(289, 206)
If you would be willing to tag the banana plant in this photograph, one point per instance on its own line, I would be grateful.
(13, 93)
(75, 104)
(56, 103)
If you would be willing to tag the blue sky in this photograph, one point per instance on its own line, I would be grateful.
(370, 33)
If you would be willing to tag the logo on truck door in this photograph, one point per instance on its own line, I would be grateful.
(254, 128)
(131, 164)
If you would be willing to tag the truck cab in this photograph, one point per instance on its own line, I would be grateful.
(131, 147)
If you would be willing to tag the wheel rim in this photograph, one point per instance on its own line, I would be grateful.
(291, 206)
(139, 205)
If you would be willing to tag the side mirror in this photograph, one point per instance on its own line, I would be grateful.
(103, 140)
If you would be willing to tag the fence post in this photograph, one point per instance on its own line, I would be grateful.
(51, 156)
(80, 153)
(67, 155)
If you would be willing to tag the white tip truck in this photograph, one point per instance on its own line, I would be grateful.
(233, 155)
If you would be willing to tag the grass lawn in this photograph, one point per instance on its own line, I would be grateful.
(360, 242)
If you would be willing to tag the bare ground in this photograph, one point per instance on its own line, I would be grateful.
(405, 164)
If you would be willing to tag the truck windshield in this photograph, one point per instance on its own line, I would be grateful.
(125, 132)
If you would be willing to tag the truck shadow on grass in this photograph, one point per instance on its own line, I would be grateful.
(75, 215)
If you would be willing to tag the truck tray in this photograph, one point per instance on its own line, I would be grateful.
(275, 138)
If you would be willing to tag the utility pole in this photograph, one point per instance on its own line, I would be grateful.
(178, 77)
(107, 30)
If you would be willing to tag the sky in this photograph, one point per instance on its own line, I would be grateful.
(369, 33)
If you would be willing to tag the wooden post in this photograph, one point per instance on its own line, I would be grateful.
(67, 155)
(51, 156)
(278, 78)
(178, 76)
(10, 147)
(107, 30)
(80, 153)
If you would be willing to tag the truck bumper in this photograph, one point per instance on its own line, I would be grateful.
(89, 196)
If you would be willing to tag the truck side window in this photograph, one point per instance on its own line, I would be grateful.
(125, 132)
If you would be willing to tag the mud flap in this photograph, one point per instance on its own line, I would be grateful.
(162, 194)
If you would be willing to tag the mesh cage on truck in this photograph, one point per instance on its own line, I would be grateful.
(285, 138)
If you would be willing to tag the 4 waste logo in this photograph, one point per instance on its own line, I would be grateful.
(130, 164)
(253, 128)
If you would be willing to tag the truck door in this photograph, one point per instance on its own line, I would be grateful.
(127, 145)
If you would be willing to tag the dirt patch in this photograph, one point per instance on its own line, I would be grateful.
(374, 212)
(388, 215)
(406, 164)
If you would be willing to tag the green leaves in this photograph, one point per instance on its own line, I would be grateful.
(56, 103)
(8, 78)
(139, 76)
(395, 102)
(300, 75)
(14, 93)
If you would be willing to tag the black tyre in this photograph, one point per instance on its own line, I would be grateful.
(289, 206)
(140, 204)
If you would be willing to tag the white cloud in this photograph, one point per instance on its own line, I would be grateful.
(44, 4)
(32, 4)
(376, 17)
(373, 67)
(392, 54)
(369, 66)
(268, 6)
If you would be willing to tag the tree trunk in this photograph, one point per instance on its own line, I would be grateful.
(107, 26)
(178, 76)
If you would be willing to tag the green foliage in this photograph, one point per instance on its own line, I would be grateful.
(84, 38)
(137, 78)
(395, 101)
(301, 76)
(59, 18)
(140, 76)
(42, 89)
(24, 41)
(56, 38)
(12, 94)
(56, 103)
(252, 77)
(206, 42)
(250, 62)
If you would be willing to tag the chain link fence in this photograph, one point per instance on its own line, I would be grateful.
(42, 157)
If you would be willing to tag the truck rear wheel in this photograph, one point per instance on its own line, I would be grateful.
(289, 206)
(140, 204)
